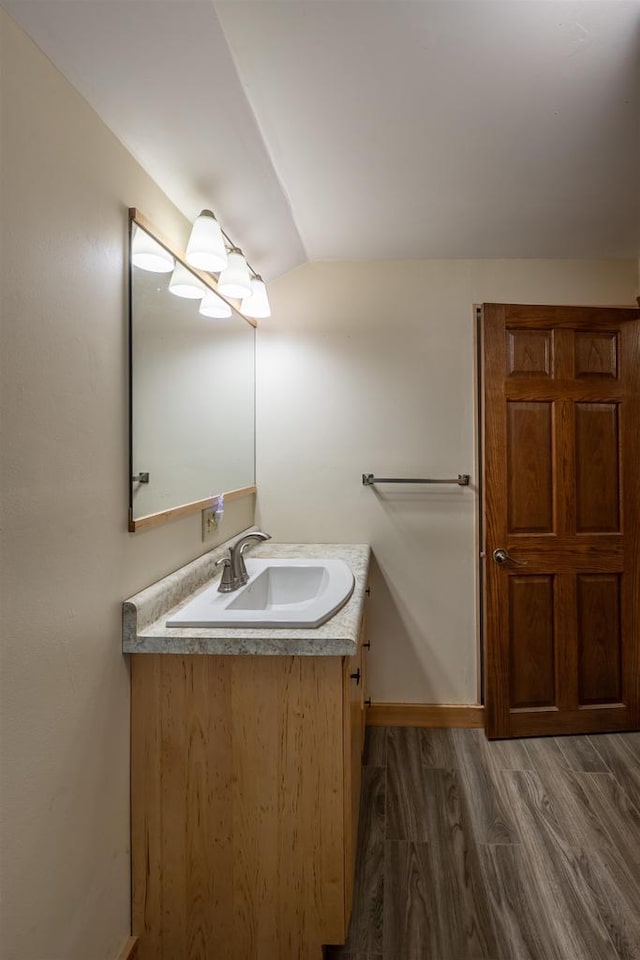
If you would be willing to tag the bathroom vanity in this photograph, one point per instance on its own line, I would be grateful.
(246, 764)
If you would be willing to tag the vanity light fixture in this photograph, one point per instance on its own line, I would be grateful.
(184, 284)
(148, 254)
(214, 306)
(210, 251)
(235, 281)
(256, 305)
(206, 249)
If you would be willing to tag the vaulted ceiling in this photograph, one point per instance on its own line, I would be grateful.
(350, 129)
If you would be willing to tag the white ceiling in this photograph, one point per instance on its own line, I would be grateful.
(351, 130)
(161, 77)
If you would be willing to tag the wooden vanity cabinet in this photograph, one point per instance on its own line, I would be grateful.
(245, 794)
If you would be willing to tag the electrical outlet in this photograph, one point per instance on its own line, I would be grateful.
(209, 524)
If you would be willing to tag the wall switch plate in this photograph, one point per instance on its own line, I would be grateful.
(210, 524)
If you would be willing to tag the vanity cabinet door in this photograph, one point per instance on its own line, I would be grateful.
(246, 775)
(364, 645)
(237, 806)
(353, 744)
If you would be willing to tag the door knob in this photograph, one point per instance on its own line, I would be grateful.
(502, 556)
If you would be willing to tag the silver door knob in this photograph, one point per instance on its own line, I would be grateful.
(502, 556)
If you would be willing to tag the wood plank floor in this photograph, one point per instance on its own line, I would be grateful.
(504, 850)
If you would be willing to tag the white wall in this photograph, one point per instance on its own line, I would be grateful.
(67, 560)
(370, 367)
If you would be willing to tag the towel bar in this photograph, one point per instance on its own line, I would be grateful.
(368, 480)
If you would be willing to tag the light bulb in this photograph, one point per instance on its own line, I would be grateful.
(235, 281)
(206, 249)
(147, 254)
(257, 304)
(214, 306)
(184, 284)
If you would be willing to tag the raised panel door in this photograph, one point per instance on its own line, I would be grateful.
(561, 446)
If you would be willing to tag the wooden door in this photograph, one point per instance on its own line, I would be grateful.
(561, 444)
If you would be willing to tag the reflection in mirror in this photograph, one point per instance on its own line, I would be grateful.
(192, 386)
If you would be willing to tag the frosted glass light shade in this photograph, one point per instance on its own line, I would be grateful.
(147, 254)
(257, 304)
(206, 249)
(184, 284)
(235, 281)
(214, 306)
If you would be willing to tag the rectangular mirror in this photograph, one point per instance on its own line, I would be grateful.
(192, 386)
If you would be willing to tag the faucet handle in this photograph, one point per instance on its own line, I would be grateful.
(226, 580)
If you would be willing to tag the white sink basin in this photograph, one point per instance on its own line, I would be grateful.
(279, 593)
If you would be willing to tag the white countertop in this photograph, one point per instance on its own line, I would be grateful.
(145, 615)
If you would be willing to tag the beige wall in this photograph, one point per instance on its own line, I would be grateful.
(67, 560)
(370, 367)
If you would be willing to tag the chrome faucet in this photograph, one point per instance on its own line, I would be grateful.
(234, 571)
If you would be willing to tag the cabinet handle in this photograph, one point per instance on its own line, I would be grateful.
(368, 591)
(367, 645)
(368, 701)
(356, 676)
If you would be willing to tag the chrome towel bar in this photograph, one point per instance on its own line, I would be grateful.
(368, 480)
